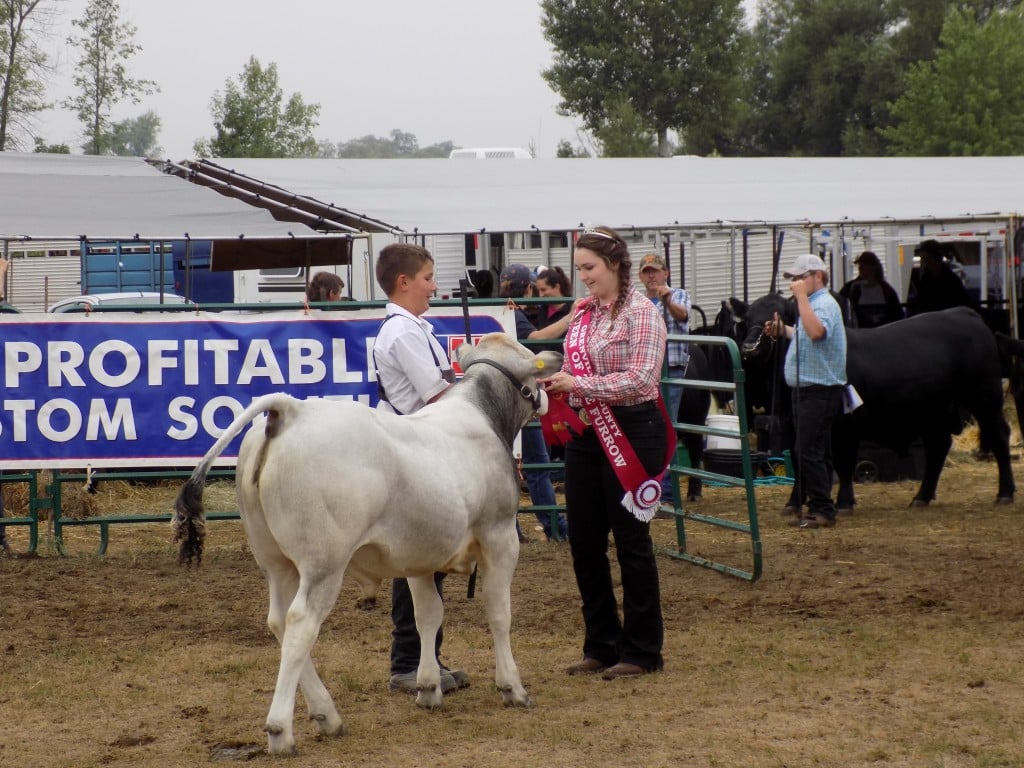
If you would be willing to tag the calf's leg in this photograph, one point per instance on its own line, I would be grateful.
(429, 613)
(498, 561)
(313, 600)
(283, 586)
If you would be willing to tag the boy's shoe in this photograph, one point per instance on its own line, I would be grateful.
(459, 676)
(406, 682)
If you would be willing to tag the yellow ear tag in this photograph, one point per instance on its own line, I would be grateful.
(540, 365)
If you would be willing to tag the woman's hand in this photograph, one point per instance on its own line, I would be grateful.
(559, 383)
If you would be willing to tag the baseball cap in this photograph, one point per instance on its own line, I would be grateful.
(513, 280)
(652, 260)
(803, 264)
(933, 247)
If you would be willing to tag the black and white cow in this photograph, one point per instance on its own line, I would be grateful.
(917, 377)
(334, 489)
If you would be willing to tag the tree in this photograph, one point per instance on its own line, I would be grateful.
(674, 62)
(101, 75)
(970, 99)
(399, 145)
(136, 137)
(824, 73)
(625, 133)
(23, 66)
(252, 119)
(55, 149)
(827, 73)
(566, 149)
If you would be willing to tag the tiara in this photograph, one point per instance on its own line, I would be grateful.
(598, 233)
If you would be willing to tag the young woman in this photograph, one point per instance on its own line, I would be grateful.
(553, 283)
(614, 351)
(325, 286)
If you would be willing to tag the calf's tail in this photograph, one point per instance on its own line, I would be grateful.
(189, 522)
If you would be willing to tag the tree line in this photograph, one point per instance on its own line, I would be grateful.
(809, 78)
(644, 78)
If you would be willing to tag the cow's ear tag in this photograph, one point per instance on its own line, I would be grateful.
(540, 365)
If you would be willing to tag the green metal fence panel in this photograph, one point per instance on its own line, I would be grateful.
(682, 467)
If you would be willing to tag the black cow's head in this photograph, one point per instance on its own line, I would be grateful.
(755, 345)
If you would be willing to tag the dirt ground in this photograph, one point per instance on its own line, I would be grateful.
(893, 639)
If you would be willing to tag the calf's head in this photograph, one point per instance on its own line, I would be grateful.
(506, 375)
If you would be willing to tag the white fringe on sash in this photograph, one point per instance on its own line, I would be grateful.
(642, 503)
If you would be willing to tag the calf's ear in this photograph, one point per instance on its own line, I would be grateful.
(464, 353)
(547, 363)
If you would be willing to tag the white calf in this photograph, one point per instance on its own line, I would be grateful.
(329, 488)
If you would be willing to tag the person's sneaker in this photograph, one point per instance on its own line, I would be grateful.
(817, 520)
(665, 512)
(451, 680)
(458, 676)
(406, 683)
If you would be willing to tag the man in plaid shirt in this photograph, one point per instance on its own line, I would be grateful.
(674, 306)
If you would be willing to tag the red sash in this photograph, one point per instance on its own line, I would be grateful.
(643, 492)
(560, 423)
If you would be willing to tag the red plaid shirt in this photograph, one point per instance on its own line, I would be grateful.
(626, 354)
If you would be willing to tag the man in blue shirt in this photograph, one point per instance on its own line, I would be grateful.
(816, 370)
(674, 306)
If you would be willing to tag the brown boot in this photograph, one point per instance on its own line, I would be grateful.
(588, 666)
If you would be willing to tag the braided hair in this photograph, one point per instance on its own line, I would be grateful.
(606, 243)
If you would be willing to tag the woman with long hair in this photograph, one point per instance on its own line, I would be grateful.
(553, 283)
(614, 350)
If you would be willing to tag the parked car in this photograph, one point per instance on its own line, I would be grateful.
(124, 298)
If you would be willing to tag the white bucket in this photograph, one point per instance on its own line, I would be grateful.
(724, 421)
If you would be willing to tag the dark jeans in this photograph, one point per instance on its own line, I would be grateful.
(3, 528)
(593, 497)
(405, 640)
(675, 397)
(815, 408)
(538, 481)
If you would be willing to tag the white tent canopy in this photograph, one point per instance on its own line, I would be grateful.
(68, 196)
(450, 196)
(55, 197)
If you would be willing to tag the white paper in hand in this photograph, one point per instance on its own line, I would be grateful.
(851, 399)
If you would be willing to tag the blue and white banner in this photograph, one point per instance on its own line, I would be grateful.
(156, 390)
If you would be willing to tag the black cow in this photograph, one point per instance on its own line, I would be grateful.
(1011, 351)
(916, 377)
(693, 409)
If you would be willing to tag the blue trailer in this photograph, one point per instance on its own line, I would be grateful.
(173, 266)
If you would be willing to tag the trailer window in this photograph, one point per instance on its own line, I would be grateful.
(281, 272)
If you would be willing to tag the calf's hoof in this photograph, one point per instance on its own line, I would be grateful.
(329, 727)
(430, 697)
(919, 503)
(790, 509)
(278, 743)
(1004, 500)
(366, 603)
(513, 698)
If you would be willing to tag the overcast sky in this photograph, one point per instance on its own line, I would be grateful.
(467, 71)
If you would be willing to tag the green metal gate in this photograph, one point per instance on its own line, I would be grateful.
(682, 467)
